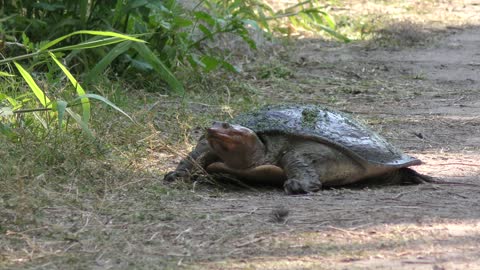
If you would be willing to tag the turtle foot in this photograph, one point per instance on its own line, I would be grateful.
(295, 186)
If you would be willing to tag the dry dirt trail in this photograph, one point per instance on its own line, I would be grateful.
(426, 100)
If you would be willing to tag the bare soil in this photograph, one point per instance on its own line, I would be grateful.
(424, 98)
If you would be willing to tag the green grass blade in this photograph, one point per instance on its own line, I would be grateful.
(83, 12)
(44, 100)
(41, 120)
(4, 19)
(12, 101)
(333, 33)
(89, 44)
(159, 67)
(5, 74)
(107, 60)
(106, 101)
(329, 19)
(82, 124)
(85, 102)
(90, 32)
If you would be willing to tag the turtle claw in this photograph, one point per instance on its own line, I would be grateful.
(294, 186)
(175, 176)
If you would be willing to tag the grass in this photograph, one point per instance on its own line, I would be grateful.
(67, 199)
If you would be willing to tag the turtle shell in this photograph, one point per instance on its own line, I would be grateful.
(321, 124)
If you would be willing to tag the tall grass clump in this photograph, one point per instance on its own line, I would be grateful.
(56, 42)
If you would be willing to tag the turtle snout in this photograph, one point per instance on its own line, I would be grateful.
(222, 125)
(225, 125)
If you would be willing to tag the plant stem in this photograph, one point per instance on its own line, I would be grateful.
(32, 110)
(20, 57)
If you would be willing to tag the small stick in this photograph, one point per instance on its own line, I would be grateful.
(456, 163)
(250, 242)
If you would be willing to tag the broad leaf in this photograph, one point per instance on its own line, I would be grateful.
(85, 102)
(79, 121)
(159, 67)
(108, 59)
(106, 101)
(90, 44)
(44, 100)
(60, 106)
(90, 32)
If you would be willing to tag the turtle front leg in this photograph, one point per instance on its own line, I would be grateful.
(302, 176)
(200, 156)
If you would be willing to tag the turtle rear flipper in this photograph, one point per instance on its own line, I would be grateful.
(411, 177)
(407, 176)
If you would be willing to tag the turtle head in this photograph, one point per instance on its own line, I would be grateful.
(238, 147)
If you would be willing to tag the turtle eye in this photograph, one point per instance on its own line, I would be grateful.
(225, 125)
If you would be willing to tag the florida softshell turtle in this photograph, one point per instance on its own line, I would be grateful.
(302, 147)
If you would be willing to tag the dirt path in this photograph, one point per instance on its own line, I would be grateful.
(424, 99)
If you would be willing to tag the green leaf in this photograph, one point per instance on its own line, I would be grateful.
(83, 11)
(90, 32)
(139, 64)
(106, 101)
(333, 33)
(181, 22)
(159, 67)
(44, 100)
(329, 19)
(210, 62)
(79, 121)
(60, 106)
(12, 101)
(90, 44)
(245, 35)
(205, 31)
(48, 7)
(201, 15)
(252, 23)
(5, 74)
(78, 88)
(137, 3)
(119, 11)
(4, 19)
(108, 59)
(226, 65)
(195, 61)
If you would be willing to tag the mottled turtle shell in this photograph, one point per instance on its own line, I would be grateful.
(327, 126)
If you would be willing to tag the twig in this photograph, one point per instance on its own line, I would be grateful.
(182, 233)
(32, 110)
(418, 262)
(153, 236)
(456, 163)
(399, 195)
(250, 242)
(346, 231)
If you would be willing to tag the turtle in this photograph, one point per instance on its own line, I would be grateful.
(301, 147)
